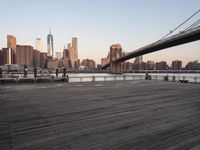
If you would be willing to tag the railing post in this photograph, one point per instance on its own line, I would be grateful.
(173, 78)
(195, 79)
(166, 78)
(1, 73)
(93, 78)
(147, 76)
(35, 73)
(64, 72)
(156, 77)
(67, 79)
(57, 72)
(25, 71)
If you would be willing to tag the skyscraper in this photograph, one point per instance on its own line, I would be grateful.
(138, 63)
(50, 51)
(11, 45)
(11, 42)
(38, 44)
(138, 60)
(73, 51)
(75, 48)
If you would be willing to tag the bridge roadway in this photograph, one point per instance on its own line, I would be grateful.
(135, 115)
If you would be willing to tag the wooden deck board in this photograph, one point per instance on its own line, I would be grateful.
(105, 115)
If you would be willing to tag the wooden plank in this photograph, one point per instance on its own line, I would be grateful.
(117, 115)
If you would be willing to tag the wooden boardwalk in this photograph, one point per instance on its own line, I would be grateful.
(129, 115)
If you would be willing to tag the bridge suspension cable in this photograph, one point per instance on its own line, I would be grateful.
(180, 25)
(193, 25)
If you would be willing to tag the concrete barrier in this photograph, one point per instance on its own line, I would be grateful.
(7, 80)
(44, 80)
(26, 80)
(61, 79)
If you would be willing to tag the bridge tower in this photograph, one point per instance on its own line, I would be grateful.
(115, 53)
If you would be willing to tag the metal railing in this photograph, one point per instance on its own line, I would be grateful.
(70, 79)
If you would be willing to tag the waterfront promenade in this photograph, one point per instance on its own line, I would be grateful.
(134, 115)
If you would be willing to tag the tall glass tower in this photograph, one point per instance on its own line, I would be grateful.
(50, 51)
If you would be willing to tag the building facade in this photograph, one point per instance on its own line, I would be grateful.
(150, 65)
(127, 67)
(58, 55)
(1, 57)
(43, 60)
(24, 55)
(193, 65)
(104, 61)
(11, 45)
(138, 63)
(8, 56)
(161, 65)
(36, 58)
(176, 65)
(38, 44)
(11, 42)
(88, 63)
(73, 51)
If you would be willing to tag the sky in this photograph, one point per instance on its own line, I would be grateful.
(100, 23)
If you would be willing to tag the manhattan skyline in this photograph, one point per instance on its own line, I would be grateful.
(99, 24)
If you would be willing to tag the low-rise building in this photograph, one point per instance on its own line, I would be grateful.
(176, 65)
(161, 65)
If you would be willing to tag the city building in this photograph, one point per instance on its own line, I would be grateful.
(66, 63)
(138, 63)
(99, 66)
(88, 63)
(77, 64)
(36, 58)
(127, 67)
(193, 65)
(11, 42)
(53, 64)
(58, 55)
(161, 65)
(150, 65)
(104, 61)
(11, 45)
(24, 55)
(38, 44)
(8, 56)
(65, 53)
(139, 60)
(73, 51)
(50, 51)
(176, 65)
(1, 57)
(43, 60)
(75, 48)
